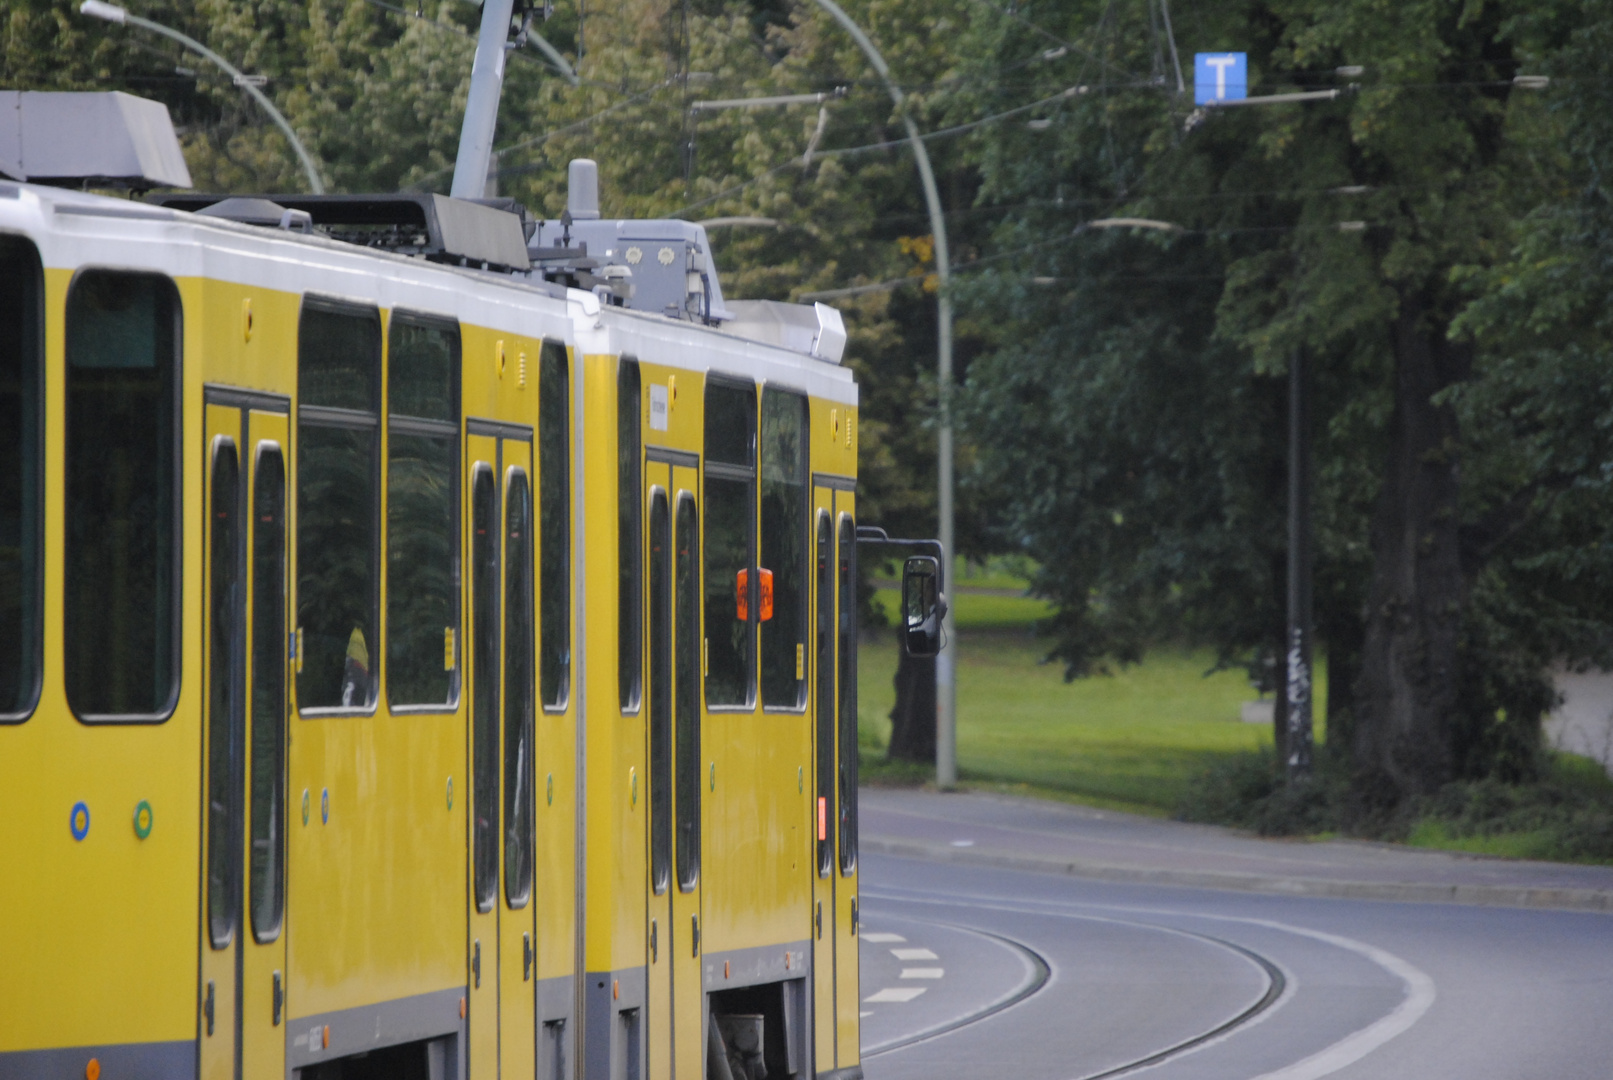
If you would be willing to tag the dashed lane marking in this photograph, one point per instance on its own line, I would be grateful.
(894, 993)
(923, 973)
(914, 954)
(881, 938)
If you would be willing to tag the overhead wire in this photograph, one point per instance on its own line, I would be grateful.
(1049, 35)
(539, 140)
(892, 284)
(886, 144)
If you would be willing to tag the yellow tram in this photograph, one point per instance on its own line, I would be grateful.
(412, 666)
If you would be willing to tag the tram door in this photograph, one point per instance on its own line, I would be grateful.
(675, 1004)
(242, 991)
(834, 739)
(501, 946)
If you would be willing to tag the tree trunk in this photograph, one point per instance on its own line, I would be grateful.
(1341, 635)
(1406, 692)
(913, 718)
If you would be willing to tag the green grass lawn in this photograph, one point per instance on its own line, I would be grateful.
(1131, 740)
(1137, 738)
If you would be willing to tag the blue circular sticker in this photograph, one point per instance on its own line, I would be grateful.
(324, 807)
(79, 820)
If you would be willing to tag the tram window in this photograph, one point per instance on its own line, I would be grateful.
(268, 694)
(784, 546)
(660, 694)
(825, 696)
(730, 577)
(485, 684)
(337, 508)
(338, 359)
(629, 538)
(423, 369)
(728, 637)
(518, 733)
(847, 624)
(121, 555)
(554, 509)
(223, 748)
(422, 609)
(687, 621)
(731, 424)
(21, 352)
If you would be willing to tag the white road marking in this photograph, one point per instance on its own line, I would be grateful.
(1361, 1042)
(1419, 987)
(914, 954)
(895, 993)
(923, 973)
(866, 1013)
(963, 843)
(879, 938)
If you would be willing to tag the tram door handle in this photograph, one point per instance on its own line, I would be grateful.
(526, 957)
(476, 961)
(207, 1007)
(279, 999)
(654, 945)
(694, 929)
(817, 920)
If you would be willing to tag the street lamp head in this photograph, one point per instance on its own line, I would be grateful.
(96, 9)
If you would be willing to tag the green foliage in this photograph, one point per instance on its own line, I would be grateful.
(1134, 411)
(1247, 791)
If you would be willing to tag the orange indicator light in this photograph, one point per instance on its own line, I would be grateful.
(764, 583)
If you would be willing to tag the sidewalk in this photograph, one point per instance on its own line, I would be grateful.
(1028, 834)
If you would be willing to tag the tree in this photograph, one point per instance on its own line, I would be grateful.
(1362, 233)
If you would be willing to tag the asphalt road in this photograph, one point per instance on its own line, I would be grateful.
(1030, 976)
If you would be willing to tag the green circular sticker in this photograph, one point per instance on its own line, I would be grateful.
(143, 819)
(551, 789)
(305, 806)
(450, 793)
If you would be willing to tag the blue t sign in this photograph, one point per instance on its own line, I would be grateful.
(1220, 77)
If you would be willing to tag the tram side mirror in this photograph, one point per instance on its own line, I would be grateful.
(923, 605)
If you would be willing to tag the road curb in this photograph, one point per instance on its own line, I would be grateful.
(1519, 896)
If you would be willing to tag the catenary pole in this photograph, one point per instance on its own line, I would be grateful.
(946, 699)
(114, 14)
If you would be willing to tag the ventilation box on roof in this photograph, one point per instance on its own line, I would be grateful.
(111, 138)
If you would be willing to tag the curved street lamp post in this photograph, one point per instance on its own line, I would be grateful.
(111, 13)
(946, 699)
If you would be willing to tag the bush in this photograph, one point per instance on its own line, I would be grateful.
(1566, 814)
